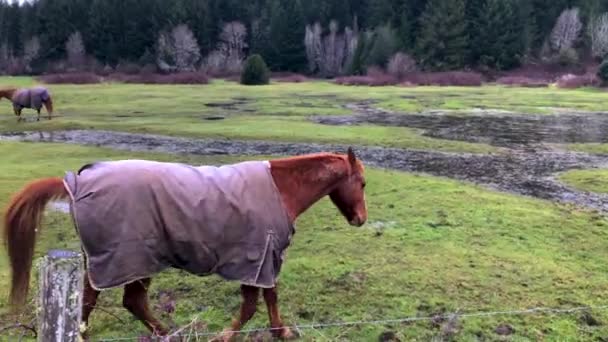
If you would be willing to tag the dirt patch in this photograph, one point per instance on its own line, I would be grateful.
(214, 117)
(485, 126)
(518, 172)
(233, 105)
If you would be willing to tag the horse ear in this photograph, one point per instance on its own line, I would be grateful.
(351, 156)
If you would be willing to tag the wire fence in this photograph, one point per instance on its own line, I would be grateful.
(189, 333)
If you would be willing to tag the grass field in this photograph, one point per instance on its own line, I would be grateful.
(593, 180)
(280, 111)
(431, 245)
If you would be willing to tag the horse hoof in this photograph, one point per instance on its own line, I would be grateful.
(83, 332)
(286, 334)
(225, 336)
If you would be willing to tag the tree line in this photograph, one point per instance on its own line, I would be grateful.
(325, 37)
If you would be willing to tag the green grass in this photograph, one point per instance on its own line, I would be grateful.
(430, 245)
(593, 148)
(592, 180)
(280, 111)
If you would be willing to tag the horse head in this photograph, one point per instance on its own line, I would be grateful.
(349, 195)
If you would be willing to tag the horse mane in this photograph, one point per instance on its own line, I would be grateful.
(299, 164)
(7, 92)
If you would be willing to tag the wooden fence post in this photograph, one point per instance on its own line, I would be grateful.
(60, 300)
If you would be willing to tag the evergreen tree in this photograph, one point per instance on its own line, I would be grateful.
(380, 12)
(360, 59)
(496, 35)
(255, 71)
(102, 34)
(287, 27)
(443, 39)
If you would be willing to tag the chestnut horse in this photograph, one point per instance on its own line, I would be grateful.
(301, 181)
(33, 98)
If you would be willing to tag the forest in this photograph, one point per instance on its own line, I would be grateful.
(321, 37)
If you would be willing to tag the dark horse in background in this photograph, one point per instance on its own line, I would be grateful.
(301, 181)
(34, 98)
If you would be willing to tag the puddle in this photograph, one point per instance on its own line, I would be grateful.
(514, 131)
(235, 104)
(515, 171)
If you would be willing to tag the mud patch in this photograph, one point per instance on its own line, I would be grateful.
(234, 105)
(214, 117)
(518, 172)
(481, 126)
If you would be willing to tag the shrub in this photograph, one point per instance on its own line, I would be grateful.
(255, 72)
(152, 78)
(400, 65)
(576, 81)
(289, 78)
(183, 78)
(375, 77)
(446, 78)
(148, 69)
(602, 72)
(522, 81)
(71, 78)
(567, 57)
(128, 68)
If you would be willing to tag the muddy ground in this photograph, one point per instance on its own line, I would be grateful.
(517, 171)
(504, 129)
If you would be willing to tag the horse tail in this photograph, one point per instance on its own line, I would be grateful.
(22, 217)
(48, 104)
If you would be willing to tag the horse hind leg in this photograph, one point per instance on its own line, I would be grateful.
(135, 299)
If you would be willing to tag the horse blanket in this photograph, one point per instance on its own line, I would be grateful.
(137, 217)
(30, 98)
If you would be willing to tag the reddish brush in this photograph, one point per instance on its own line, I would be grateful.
(522, 81)
(447, 78)
(71, 78)
(577, 81)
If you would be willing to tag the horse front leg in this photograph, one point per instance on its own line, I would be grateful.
(89, 300)
(250, 296)
(271, 298)
(17, 112)
(38, 118)
(135, 299)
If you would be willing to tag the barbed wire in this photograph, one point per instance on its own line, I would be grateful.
(537, 310)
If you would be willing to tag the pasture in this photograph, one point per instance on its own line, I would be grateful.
(460, 220)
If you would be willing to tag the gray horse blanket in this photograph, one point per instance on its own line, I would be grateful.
(30, 98)
(136, 218)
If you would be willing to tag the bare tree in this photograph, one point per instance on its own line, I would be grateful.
(400, 65)
(31, 50)
(178, 50)
(229, 55)
(233, 42)
(566, 31)
(329, 55)
(598, 31)
(75, 50)
(314, 46)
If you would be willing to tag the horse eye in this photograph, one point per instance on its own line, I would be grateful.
(363, 185)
